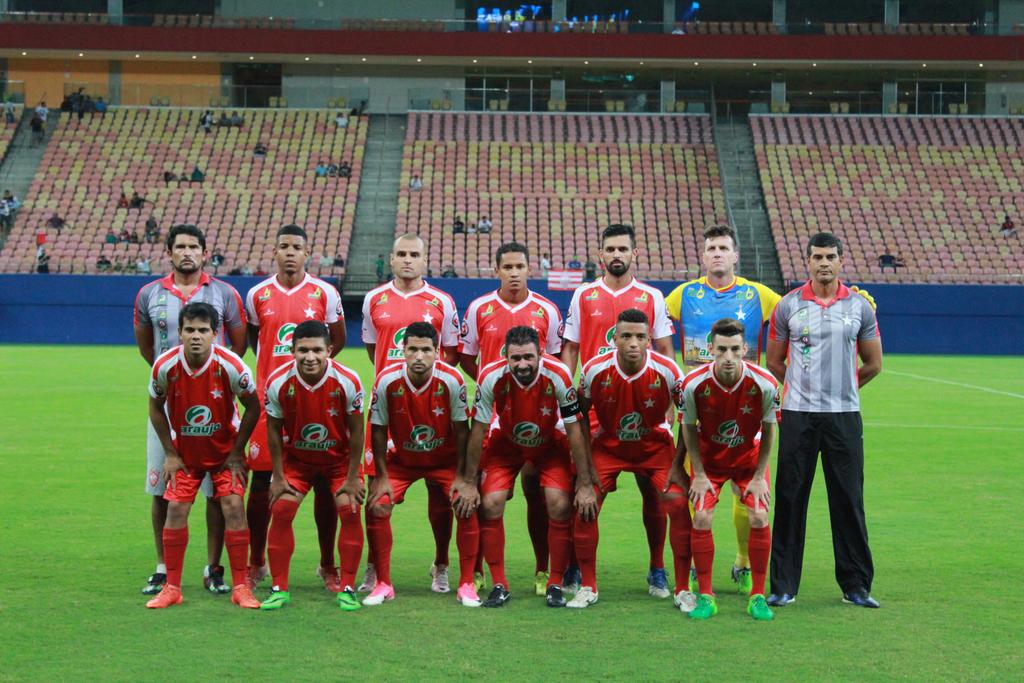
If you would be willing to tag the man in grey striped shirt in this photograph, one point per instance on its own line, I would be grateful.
(817, 333)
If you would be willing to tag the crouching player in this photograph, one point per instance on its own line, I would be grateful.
(198, 382)
(528, 397)
(729, 414)
(314, 409)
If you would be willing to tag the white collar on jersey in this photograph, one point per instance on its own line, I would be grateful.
(277, 283)
(616, 292)
(513, 309)
(622, 373)
(406, 295)
(408, 381)
(184, 361)
(320, 382)
(734, 387)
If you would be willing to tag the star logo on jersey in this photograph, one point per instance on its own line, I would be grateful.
(487, 311)
(728, 434)
(527, 434)
(631, 427)
(847, 319)
(427, 318)
(198, 422)
(422, 438)
(265, 294)
(593, 296)
(315, 294)
(740, 314)
(545, 411)
(333, 412)
(309, 312)
(438, 410)
(649, 403)
(217, 393)
(283, 347)
(746, 410)
(313, 437)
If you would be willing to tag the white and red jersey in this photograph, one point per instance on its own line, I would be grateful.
(277, 311)
(631, 409)
(489, 318)
(201, 403)
(595, 308)
(527, 416)
(419, 420)
(315, 429)
(387, 311)
(729, 419)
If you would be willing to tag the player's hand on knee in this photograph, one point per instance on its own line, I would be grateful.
(465, 497)
(354, 492)
(172, 465)
(236, 465)
(279, 486)
(586, 502)
(677, 477)
(700, 486)
(380, 488)
(758, 488)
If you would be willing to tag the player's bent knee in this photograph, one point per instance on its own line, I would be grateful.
(494, 504)
(758, 520)
(234, 511)
(177, 515)
(380, 510)
(702, 519)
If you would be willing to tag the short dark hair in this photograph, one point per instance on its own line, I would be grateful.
(825, 240)
(292, 229)
(617, 230)
(199, 311)
(421, 330)
(511, 248)
(311, 329)
(722, 231)
(727, 327)
(185, 229)
(633, 315)
(522, 334)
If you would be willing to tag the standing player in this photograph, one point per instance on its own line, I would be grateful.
(420, 404)
(275, 306)
(314, 428)
(387, 311)
(529, 397)
(631, 390)
(156, 313)
(589, 327)
(192, 393)
(735, 403)
(488, 319)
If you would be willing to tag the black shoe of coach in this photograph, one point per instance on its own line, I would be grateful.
(860, 598)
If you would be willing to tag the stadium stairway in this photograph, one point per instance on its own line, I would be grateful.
(758, 257)
(22, 159)
(377, 207)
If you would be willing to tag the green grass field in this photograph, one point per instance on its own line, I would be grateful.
(944, 442)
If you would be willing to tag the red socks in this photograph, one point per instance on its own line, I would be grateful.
(257, 516)
(492, 540)
(703, 558)
(175, 542)
(537, 525)
(281, 540)
(378, 534)
(560, 543)
(585, 537)
(237, 544)
(678, 510)
(759, 547)
(350, 544)
(439, 511)
(655, 523)
(325, 514)
(467, 539)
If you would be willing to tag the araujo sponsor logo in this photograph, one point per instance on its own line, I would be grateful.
(527, 434)
(631, 427)
(422, 438)
(728, 434)
(313, 437)
(197, 422)
(608, 343)
(396, 351)
(283, 347)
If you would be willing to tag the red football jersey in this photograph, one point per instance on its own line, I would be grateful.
(315, 429)
(388, 311)
(631, 409)
(526, 416)
(594, 309)
(489, 318)
(201, 403)
(277, 311)
(729, 418)
(419, 421)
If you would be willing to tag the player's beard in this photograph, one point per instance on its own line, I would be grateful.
(525, 378)
(188, 269)
(617, 268)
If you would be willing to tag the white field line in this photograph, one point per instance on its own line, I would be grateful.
(987, 390)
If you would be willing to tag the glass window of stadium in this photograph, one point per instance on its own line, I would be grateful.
(944, 11)
(817, 12)
(736, 92)
(942, 96)
(94, 6)
(853, 91)
(724, 10)
(497, 91)
(612, 91)
(622, 10)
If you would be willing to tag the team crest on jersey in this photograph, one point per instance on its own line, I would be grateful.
(570, 396)
(548, 390)
(383, 299)
(707, 391)
(463, 395)
(198, 422)
(753, 390)
(642, 299)
(422, 438)
(527, 434)
(656, 384)
(728, 434)
(700, 293)
(291, 391)
(244, 381)
(399, 393)
(315, 294)
(750, 293)
(465, 328)
(539, 313)
(631, 427)
(265, 294)
(487, 311)
(313, 437)
(157, 389)
(606, 382)
(593, 296)
(336, 393)
(439, 391)
(283, 347)
(357, 402)
(435, 302)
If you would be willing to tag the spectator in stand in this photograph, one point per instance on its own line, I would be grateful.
(321, 170)
(122, 202)
(42, 260)
(1008, 228)
(339, 261)
(206, 121)
(484, 226)
(341, 120)
(6, 216)
(133, 237)
(888, 260)
(111, 238)
(415, 184)
(236, 119)
(471, 229)
(56, 222)
(449, 271)
(136, 201)
(545, 264)
(224, 121)
(125, 236)
(259, 151)
(217, 260)
(574, 263)
(380, 268)
(170, 176)
(142, 267)
(458, 227)
(43, 112)
(589, 270)
(101, 106)
(332, 170)
(345, 170)
(152, 231)
(38, 129)
(103, 263)
(9, 111)
(197, 175)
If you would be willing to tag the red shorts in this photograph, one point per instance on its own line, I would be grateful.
(500, 464)
(403, 476)
(741, 478)
(300, 475)
(655, 466)
(259, 451)
(186, 485)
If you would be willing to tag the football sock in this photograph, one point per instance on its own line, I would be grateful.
(467, 539)
(439, 510)
(560, 543)
(257, 517)
(369, 541)
(537, 525)
(478, 567)
(175, 542)
(237, 543)
(741, 521)
(585, 537)
(678, 510)
(161, 569)
(350, 544)
(760, 548)
(492, 539)
(703, 558)
(378, 531)
(655, 523)
(325, 514)
(281, 540)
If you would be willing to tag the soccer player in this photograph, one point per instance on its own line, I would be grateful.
(631, 390)
(729, 413)
(589, 327)
(156, 311)
(275, 306)
(421, 405)
(488, 319)
(817, 333)
(314, 411)
(387, 311)
(192, 393)
(537, 422)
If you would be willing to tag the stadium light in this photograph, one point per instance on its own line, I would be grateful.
(307, 59)
(418, 60)
(137, 56)
(193, 57)
(529, 61)
(364, 59)
(980, 65)
(81, 54)
(24, 54)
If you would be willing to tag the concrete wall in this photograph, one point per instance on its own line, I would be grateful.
(389, 86)
(327, 10)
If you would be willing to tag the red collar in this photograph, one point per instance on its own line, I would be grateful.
(167, 282)
(807, 294)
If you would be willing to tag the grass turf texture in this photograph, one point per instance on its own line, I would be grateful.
(942, 464)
